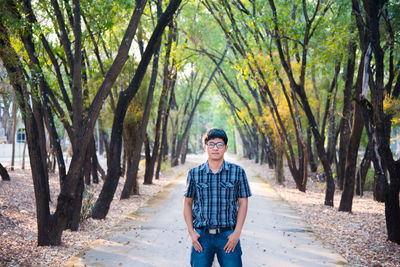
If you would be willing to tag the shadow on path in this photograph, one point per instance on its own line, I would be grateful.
(155, 235)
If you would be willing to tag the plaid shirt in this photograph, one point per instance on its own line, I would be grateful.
(216, 195)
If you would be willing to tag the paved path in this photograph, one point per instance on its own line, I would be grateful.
(155, 235)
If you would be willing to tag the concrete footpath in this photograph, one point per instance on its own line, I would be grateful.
(155, 235)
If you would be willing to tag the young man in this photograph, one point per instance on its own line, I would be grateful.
(215, 205)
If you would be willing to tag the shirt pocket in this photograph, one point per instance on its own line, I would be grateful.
(228, 190)
(202, 190)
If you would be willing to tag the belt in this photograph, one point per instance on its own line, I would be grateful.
(214, 231)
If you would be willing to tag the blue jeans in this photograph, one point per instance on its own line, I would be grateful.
(214, 244)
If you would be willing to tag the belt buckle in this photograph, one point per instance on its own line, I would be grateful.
(212, 231)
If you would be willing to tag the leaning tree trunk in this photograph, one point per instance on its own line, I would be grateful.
(46, 229)
(142, 135)
(164, 106)
(131, 186)
(330, 188)
(114, 158)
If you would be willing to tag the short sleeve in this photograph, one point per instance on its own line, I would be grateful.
(244, 188)
(190, 186)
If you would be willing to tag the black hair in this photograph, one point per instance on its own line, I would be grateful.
(215, 133)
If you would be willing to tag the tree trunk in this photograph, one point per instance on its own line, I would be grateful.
(256, 148)
(132, 148)
(184, 150)
(353, 145)
(131, 186)
(48, 232)
(313, 164)
(94, 163)
(279, 177)
(148, 177)
(4, 174)
(76, 206)
(101, 140)
(14, 130)
(328, 111)
(350, 168)
(345, 123)
(174, 140)
(392, 209)
(330, 188)
(363, 170)
(163, 155)
(332, 131)
(87, 167)
(23, 155)
(147, 152)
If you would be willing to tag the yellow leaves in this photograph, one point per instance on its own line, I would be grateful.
(392, 107)
(245, 73)
(249, 68)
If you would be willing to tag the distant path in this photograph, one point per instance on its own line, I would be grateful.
(155, 235)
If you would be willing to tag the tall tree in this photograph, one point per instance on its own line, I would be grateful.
(299, 87)
(168, 85)
(378, 121)
(114, 157)
(51, 225)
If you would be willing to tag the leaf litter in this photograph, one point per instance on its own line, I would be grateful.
(360, 236)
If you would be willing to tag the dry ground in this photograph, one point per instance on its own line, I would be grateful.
(359, 236)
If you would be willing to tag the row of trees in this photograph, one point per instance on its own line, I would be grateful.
(111, 108)
(62, 76)
(303, 63)
(278, 72)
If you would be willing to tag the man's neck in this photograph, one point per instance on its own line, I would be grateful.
(215, 165)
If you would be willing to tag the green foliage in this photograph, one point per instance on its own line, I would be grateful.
(251, 61)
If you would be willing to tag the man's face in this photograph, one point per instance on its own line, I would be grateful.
(215, 149)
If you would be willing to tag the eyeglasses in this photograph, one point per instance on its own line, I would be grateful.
(219, 145)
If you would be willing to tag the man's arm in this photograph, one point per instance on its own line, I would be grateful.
(188, 216)
(233, 238)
